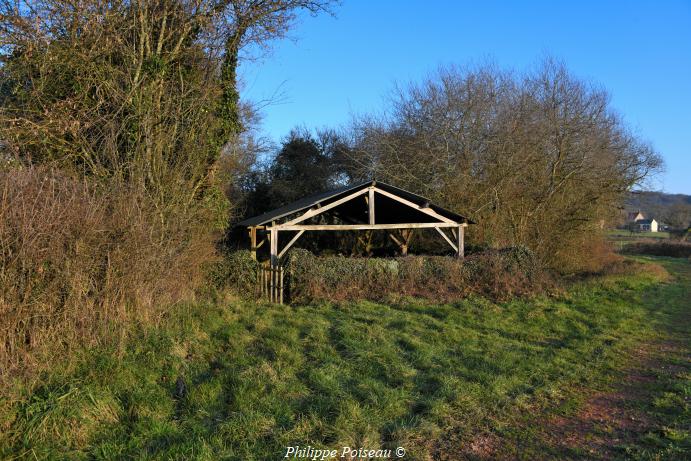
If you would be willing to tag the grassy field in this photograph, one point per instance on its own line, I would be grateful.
(471, 380)
(621, 237)
(626, 234)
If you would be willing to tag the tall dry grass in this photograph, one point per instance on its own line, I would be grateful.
(81, 262)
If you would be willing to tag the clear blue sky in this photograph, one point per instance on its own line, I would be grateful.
(335, 67)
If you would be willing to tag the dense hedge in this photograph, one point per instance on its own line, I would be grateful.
(659, 248)
(498, 274)
(238, 272)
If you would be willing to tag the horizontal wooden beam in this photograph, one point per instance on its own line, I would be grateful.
(337, 227)
(265, 229)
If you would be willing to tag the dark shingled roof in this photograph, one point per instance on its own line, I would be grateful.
(330, 196)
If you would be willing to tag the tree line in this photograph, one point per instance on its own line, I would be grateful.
(539, 159)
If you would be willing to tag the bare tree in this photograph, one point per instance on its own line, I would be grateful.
(539, 159)
(677, 216)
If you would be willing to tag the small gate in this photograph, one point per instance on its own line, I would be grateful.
(271, 283)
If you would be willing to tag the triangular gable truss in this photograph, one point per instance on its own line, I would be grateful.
(433, 219)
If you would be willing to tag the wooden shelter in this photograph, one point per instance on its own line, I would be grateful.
(369, 205)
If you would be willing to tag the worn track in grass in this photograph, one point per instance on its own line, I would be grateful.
(646, 415)
(643, 414)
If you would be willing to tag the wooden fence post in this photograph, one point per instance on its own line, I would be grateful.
(280, 274)
(271, 282)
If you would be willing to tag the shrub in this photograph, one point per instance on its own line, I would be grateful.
(589, 254)
(432, 276)
(498, 274)
(627, 266)
(236, 271)
(505, 273)
(312, 278)
(79, 261)
(675, 249)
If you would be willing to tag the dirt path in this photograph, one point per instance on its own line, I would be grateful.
(639, 419)
(613, 425)
(646, 415)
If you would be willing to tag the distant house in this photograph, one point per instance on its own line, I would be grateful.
(646, 225)
(637, 222)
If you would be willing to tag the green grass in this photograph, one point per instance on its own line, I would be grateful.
(411, 374)
(626, 234)
(664, 396)
(622, 237)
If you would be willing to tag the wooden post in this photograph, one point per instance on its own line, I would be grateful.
(406, 235)
(396, 241)
(253, 242)
(371, 206)
(404, 245)
(409, 237)
(274, 247)
(459, 244)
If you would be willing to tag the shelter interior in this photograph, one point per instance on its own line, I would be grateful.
(363, 207)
